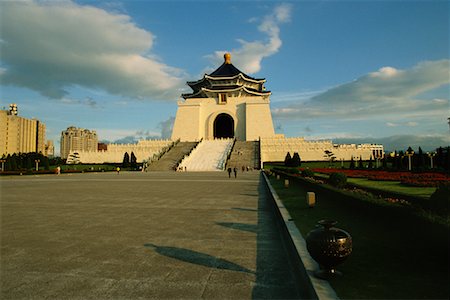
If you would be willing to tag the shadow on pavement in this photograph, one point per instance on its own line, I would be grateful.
(197, 258)
(240, 226)
(244, 209)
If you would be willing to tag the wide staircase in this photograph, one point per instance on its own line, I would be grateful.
(209, 155)
(244, 154)
(171, 158)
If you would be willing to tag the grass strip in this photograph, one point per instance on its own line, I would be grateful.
(394, 186)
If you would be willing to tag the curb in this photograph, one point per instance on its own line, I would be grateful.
(322, 288)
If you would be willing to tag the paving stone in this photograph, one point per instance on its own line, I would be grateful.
(158, 235)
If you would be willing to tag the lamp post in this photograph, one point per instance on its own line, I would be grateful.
(409, 153)
(431, 155)
(37, 161)
(3, 164)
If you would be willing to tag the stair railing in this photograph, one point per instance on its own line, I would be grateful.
(230, 151)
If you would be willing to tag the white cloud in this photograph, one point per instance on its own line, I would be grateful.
(87, 101)
(407, 124)
(332, 136)
(166, 127)
(387, 92)
(280, 97)
(385, 72)
(52, 46)
(249, 56)
(123, 136)
(390, 124)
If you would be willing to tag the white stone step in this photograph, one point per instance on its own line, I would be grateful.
(209, 155)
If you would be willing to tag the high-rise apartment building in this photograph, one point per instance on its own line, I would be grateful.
(77, 139)
(20, 135)
(49, 149)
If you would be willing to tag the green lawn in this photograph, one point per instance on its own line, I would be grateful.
(395, 254)
(394, 186)
(390, 186)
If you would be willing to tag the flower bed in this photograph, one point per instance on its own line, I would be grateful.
(429, 179)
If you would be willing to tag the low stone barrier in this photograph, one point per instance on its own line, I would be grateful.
(315, 288)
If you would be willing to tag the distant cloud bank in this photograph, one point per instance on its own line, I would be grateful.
(52, 46)
(385, 92)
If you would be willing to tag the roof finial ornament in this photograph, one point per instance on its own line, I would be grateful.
(227, 57)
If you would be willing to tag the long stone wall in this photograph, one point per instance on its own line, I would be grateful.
(143, 150)
(276, 148)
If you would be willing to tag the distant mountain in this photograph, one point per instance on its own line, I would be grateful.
(130, 139)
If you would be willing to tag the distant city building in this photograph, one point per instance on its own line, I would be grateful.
(20, 135)
(78, 139)
(49, 149)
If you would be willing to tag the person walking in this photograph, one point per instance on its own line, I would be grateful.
(229, 172)
(118, 170)
(235, 172)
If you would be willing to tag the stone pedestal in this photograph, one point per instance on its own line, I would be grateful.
(311, 199)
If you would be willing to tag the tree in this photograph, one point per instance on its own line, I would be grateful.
(133, 160)
(419, 160)
(28, 163)
(14, 162)
(394, 161)
(384, 163)
(8, 163)
(329, 156)
(371, 162)
(439, 159)
(287, 160)
(45, 163)
(400, 160)
(352, 163)
(126, 160)
(361, 163)
(296, 161)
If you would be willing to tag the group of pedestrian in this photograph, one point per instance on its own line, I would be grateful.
(234, 170)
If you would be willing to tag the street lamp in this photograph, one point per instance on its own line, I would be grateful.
(431, 155)
(409, 153)
(3, 164)
(37, 164)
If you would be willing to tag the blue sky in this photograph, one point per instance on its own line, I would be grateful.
(351, 71)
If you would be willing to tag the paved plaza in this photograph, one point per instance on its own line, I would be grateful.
(160, 235)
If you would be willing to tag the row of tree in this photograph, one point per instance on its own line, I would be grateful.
(129, 160)
(420, 161)
(294, 161)
(26, 161)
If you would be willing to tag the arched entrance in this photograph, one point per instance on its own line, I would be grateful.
(223, 126)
